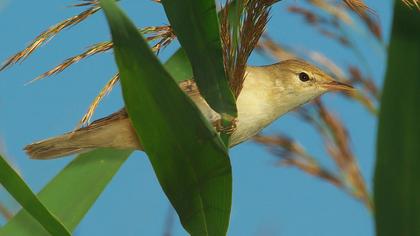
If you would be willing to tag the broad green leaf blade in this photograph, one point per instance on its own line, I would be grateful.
(15, 185)
(178, 66)
(72, 192)
(397, 176)
(197, 28)
(188, 157)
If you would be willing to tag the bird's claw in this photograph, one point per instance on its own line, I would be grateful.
(226, 129)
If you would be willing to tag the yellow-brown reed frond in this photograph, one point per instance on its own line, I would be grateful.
(364, 12)
(268, 46)
(92, 50)
(372, 24)
(337, 145)
(369, 17)
(164, 34)
(311, 17)
(325, 24)
(86, 3)
(332, 131)
(48, 34)
(412, 3)
(167, 38)
(323, 60)
(238, 44)
(368, 85)
(322, 24)
(357, 6)
(293, 154)
(343, 40)
(364, 100)
(105, 90)
(333, 10)
(370, 93)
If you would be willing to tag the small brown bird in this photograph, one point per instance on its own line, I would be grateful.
(268, 93)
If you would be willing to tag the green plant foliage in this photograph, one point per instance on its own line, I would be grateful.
(179, 67)
(189, 159)
(397, 176)
(197, 28)
(15, 185)
(71, 193)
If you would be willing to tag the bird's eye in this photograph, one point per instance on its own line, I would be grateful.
(303, 77)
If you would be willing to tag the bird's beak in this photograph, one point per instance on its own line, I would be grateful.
(338, 86)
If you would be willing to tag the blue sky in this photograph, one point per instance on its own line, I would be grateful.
(267, 200)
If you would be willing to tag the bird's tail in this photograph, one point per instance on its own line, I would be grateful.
(54, 147)
(114, 131)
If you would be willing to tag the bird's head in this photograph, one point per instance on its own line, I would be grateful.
(306, 78)
(301, 81)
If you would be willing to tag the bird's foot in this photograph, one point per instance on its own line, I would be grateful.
(226, 129)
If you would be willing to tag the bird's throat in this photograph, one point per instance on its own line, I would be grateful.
(258, 105)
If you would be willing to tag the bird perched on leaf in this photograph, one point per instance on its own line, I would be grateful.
(268, 92)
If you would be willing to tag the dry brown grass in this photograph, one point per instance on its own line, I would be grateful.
(336, 139)
(163, 34)
(336, 143)
(92, 108)
(333, 10)
(293, 154)
(50, 33)
(335, 15)
(94, 49)
(239, 42)
(412, 3)
(358, 6)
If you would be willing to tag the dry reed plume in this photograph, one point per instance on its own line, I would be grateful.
(332, 131)
(240, 36)
(412, 3)
(50, 33)
(336, 143)
(357, 6)
(165, 36)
